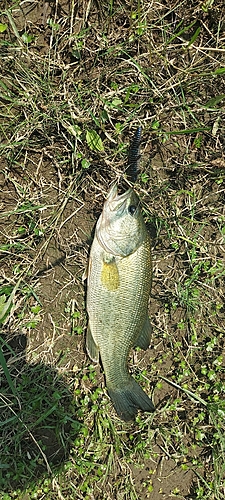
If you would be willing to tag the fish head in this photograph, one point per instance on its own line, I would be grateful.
(120, 228)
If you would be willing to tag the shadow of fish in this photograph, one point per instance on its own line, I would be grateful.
(119, 282)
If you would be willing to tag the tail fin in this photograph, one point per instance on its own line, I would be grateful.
(129, 399)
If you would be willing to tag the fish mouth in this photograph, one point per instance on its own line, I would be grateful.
(113, 231)
(114, 207)
(115, 200)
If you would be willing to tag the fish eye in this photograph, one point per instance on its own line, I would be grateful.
(132, 209)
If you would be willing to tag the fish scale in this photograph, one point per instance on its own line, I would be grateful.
(119, 283)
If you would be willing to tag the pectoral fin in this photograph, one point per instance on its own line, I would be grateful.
(144, 338)
(110, 275)
(92, 348)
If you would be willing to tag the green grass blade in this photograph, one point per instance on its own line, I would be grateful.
(189, 393)
(194, 37)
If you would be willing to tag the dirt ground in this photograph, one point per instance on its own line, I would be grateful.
(57, 258)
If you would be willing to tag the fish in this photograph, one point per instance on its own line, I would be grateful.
(118, 287)
(134, 156)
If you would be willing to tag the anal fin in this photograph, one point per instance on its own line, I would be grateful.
(92, 348)
(144, 338)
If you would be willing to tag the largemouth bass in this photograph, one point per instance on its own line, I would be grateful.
(119, 283)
